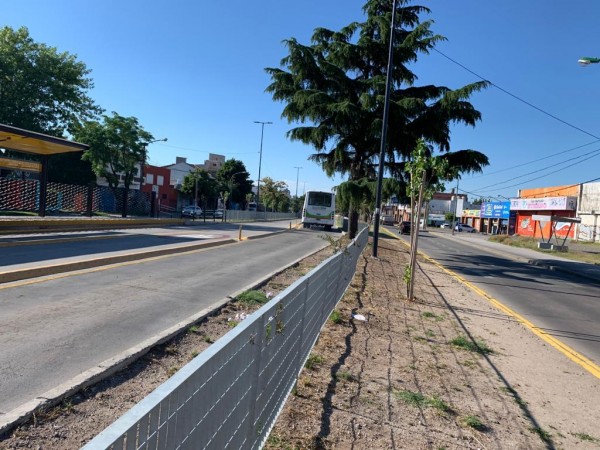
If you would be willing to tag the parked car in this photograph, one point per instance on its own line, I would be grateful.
(191, 211)
(404, 227)
(386, 220)
(464, 227)
(216, 214)
(445, 225)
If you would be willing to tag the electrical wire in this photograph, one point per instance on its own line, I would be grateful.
(541, 170)
(517, 97)
(534, 160)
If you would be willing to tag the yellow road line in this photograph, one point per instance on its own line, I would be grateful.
(570, 353)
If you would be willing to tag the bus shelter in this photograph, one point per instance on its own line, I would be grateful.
(42, 145)
(556, 223)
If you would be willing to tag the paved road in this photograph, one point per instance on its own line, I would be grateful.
(54, 329)
(560, 303)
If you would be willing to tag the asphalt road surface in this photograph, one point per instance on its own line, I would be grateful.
(562, 305)
(52, 330)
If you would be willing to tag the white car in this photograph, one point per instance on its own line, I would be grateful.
(387, 220)
(445, 225)
(465, 227)
(191, 211)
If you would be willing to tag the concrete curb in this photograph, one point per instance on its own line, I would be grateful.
(35, 272)
(54, 396)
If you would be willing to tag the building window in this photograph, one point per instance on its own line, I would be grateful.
(160, 180)
(150, 178)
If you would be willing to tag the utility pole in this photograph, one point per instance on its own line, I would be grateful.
(384, 126)
(455, 221)
(262, 131)
(297, 175)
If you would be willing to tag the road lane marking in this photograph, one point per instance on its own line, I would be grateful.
(570, 353)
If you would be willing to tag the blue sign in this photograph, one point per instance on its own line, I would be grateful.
(495, 210)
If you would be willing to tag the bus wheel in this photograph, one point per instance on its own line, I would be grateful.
(327, 227)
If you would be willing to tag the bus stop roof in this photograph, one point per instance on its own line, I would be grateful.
(13, 138)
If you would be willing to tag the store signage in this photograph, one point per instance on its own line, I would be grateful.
(495, 210)
(18, 164)
(544, 204)
(471, 213)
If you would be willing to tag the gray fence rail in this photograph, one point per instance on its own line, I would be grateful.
(230, 395)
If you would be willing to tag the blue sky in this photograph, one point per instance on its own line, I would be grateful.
(194, 72)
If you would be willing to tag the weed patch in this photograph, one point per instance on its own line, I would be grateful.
(252, 298)
(475, 346)
(420, 400)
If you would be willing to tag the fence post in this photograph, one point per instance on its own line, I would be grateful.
(257, 353)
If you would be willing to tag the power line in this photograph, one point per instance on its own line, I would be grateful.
(517, 97)
(543, 176)
(542, 169)
(535, 160)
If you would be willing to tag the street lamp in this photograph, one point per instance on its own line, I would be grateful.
(143, 162)
(586, 61)
(262, 131)
(384, 126)
(297, 175)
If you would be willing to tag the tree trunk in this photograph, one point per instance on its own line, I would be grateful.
(352, 222)
(415, 242)
(125, 202)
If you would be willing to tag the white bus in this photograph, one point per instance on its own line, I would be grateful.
(319, 209)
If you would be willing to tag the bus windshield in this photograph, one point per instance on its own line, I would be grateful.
(319, 199)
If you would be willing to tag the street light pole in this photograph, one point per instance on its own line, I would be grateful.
(297, 175)
(145, 156)
(455, 221)
(384, 126)
(262, 131)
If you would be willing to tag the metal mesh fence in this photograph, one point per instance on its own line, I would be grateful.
(231, 394)
(24, 196)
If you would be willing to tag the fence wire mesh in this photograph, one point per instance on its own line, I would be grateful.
(24, 196)
(230, 395)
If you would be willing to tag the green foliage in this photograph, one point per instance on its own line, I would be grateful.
(543, 434)
(336, 317)
(406, 276)
(313, 361)
(200, 179)
(585, 437)
(474, 422)
(234, 181)
(251, 298)
(117, 147)
(476, 346)
(336, 84)
(42, 89)
(273, 194)
(430, 315)
(420, 400)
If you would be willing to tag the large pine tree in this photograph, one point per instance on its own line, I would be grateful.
(334, 90)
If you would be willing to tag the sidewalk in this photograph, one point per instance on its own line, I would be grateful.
(549, 261)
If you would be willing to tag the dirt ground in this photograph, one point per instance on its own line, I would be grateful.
(447, 371)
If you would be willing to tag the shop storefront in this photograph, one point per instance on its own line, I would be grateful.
(497, 218)
(471, 217)
(564, 206)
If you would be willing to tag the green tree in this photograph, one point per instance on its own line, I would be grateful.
(335, 87)
(42, 89)
(273, 194)
(117, 148)
(297, 203)
(234, 181)
(425, 173)
(201, 187)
